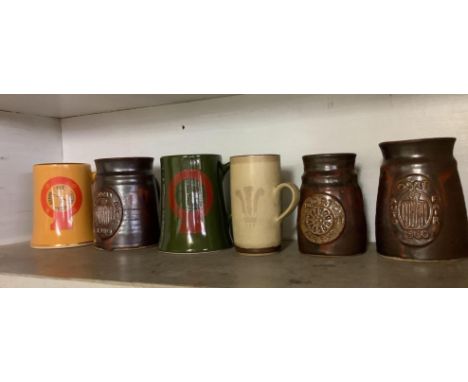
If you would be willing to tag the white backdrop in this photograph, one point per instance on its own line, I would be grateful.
(24, 141)
(290, 125)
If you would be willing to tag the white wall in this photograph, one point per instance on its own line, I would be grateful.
(291, 125)
(24, 141)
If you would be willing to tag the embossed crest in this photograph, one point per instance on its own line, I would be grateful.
(249, 200)
(61, 198)
(415, 210)
(322, 218)
(107, 213)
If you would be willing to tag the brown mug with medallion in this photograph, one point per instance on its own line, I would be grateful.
(125, 203)
(421, 212)
(331, 218)
(256, 203)
(62, 205)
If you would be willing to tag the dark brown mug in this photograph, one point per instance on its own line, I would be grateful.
(421, 212)
(331, 218)
(125, 203)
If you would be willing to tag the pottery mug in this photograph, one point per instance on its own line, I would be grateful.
(331, 218)
(62, 205)
(194, 216)
(256, 203)
(421, 213)
(125, 203)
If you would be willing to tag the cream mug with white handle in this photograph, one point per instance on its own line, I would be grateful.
(256, 203)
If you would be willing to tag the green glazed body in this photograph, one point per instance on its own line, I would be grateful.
(194, 216)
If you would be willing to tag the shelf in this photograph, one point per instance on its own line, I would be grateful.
(72, 105)
(87, 266)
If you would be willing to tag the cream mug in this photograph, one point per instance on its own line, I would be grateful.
(256, 203)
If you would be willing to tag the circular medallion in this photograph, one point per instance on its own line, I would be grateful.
(107, 213)
(322, 218)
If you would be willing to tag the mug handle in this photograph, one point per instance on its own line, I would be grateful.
(158, 199)
(295, 193)
(225, 168)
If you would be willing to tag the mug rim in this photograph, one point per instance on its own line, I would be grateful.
(120, 158)
(189, 156)
(417, 140)
(255, 156)
(61, 164)
(330, 155)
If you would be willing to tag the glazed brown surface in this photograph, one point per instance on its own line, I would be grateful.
(331, 217)
(421, 211)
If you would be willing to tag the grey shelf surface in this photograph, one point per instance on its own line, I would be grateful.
(289, 268)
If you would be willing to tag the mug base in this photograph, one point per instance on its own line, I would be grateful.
(58, 246)
(258, 251)
(192, 252)
(124, 248)
(413, 260)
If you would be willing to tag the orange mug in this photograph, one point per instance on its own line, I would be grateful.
(62, 205)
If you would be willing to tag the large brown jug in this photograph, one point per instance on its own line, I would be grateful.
(421, 211)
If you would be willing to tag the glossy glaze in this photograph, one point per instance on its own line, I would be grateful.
(331, 218)
(194, 217)
(62, 205)
(421, 211)
(125, 203)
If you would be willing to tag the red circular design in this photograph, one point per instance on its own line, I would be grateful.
(61, 180)
(195, 175)
(191, 220)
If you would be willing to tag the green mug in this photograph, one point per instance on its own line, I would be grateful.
(194, 216)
